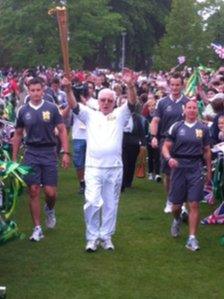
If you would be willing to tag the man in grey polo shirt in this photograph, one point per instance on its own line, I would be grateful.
(168, 111)
(39, 118)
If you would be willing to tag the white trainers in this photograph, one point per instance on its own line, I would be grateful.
(175, 227)
(50, 217)
(92, 245)
(158, 178)
(192, 244)
(37, 235)
(184, 214)
(107, 244)
(150, 177)
(168, 207)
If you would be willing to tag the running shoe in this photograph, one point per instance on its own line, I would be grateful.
(92, 245)
(37, 235)
(175, 227)
(50, 217)
(192, 244)
(107, 244)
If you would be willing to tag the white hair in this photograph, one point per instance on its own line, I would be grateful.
(105, 92)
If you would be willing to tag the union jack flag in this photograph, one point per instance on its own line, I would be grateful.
(219, 50)
(181, 59)
(217, 217)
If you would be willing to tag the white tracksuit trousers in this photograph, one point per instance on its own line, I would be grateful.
(102, 194)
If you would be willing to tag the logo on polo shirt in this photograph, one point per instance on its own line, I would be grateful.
(46, 115)
(198, 133)
(182, 132)
(28, 116)
(169, 108)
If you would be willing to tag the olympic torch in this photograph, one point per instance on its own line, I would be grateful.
(62, 19)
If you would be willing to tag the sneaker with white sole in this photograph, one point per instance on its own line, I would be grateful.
(37, 235)
(175, 227)
(184, 214)
(150, 177)
(50, 217)
(158, 178)
(92, 245)
(192, 244)
(168, 207)
(107, 244)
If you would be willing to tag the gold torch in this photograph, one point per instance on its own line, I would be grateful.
(62, 18)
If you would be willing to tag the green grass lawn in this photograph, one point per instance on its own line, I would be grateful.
(146, 263)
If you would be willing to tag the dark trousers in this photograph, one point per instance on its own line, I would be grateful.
(153, 160)
(129, 157)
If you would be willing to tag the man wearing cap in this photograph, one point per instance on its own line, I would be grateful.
(103, 167)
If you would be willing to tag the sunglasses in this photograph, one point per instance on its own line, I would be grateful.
(108, 100)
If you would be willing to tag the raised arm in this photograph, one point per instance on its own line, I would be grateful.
(129, 79)
(72, 102)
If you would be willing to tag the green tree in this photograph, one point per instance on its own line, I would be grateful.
(144, 23)
(184, 36)
(215, 24)
(28, 36)
(213, 16)
(93, 23)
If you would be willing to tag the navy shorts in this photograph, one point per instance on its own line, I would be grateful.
(79, 153)
(44, 165)
(186, 184)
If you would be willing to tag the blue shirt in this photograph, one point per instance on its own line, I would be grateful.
(169, 112)
(39, 124)
(188, 142)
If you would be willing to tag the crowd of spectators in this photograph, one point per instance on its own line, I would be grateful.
(151, 87)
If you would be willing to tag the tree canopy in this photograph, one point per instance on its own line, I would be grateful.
(29, 36)
(191, 27)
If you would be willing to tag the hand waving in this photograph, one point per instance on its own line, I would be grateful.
(128, 77)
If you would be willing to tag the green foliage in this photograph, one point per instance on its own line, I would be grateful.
(28, 36)
(215, 25)
(184, 36)
(144, 23)
(91, 22)
(213, 12)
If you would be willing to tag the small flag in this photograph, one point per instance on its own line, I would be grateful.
(181, 59)
(192, 83)
(217, 217)
(219, 50)
(208, 193)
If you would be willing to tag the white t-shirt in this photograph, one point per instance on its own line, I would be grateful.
(78, 127)
(104, 135)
